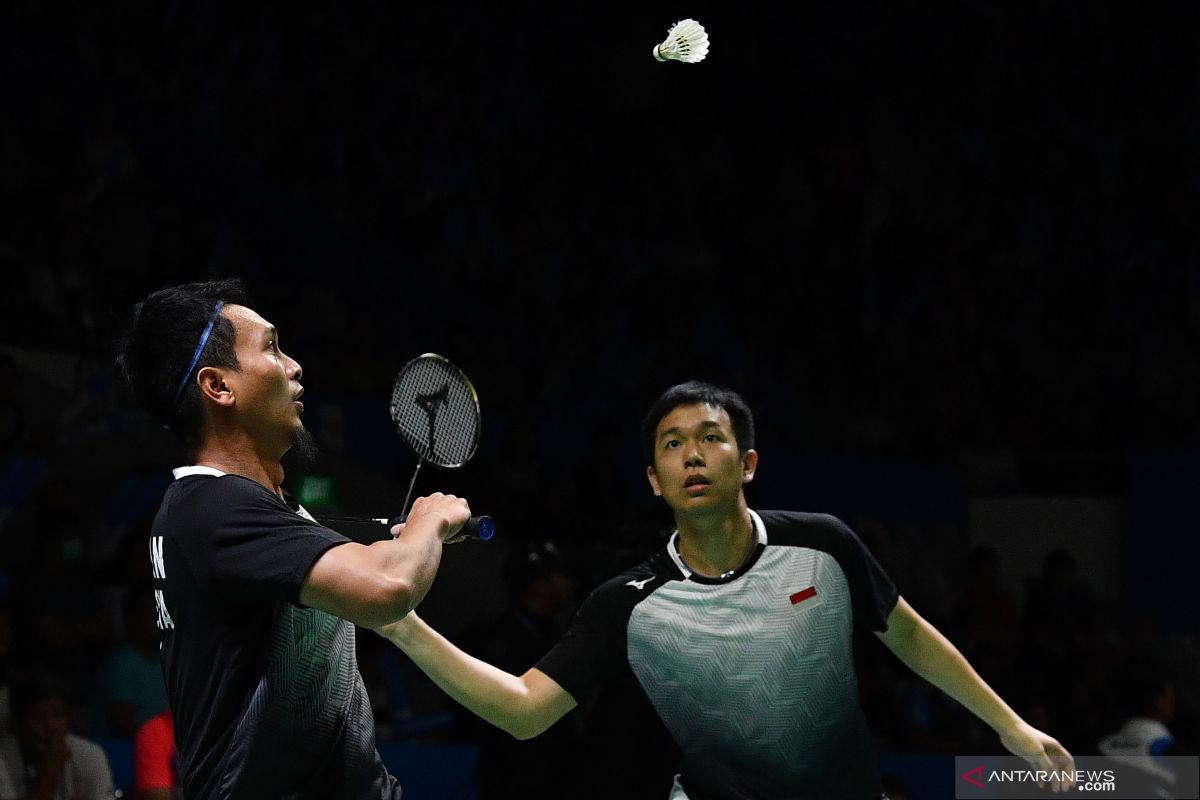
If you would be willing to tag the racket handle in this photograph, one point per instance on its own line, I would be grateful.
(481, 528)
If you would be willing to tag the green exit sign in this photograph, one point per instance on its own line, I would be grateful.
(317, 491)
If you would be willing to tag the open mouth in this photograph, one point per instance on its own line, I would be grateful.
(696, 480)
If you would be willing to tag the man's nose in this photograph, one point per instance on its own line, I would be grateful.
(297, 370)
(692, 457)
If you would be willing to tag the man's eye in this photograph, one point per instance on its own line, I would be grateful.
(673, 443)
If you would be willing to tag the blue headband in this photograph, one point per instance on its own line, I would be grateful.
(196, 355)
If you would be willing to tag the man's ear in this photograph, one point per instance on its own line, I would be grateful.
(213, 386)
(653, 478)
(749, 464)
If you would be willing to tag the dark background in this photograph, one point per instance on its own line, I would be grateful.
(944, 252)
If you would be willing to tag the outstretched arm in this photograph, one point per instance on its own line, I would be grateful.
(375, 584)
(522, 706)
(931, 655)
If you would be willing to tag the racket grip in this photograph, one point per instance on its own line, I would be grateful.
(481, 528)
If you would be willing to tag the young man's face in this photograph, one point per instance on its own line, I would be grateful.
(696, 462)
(267, 386)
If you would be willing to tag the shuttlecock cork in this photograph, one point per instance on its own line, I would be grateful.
(686, 41)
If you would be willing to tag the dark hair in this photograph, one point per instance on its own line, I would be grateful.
(160, 341)
(693, 392)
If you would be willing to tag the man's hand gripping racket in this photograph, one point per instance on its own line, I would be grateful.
(435, 409)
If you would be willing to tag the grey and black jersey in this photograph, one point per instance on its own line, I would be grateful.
(752, 673)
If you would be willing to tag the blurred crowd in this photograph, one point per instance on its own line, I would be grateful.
(974, 250)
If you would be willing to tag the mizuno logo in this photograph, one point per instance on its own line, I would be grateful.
(639, 584)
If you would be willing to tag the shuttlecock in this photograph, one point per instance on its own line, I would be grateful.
(686, 41)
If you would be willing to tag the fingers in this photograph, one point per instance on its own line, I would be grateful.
(452, 509)
(1053, 758)
(1044, 753)
(1061, 757)
(1063, 761)
(458, 537)
(436, 500)
(1041, 763)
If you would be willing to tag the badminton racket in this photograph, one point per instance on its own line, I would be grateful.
(435, 409)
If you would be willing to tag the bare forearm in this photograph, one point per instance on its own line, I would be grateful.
(378, 584)
(505, 700)
(413, 559)
(932, 656)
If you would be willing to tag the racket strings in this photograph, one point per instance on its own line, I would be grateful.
(435, 409)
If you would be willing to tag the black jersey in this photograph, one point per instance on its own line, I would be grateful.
(266, 694)
(752, 673)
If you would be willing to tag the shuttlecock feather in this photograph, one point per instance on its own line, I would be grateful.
(686, 41)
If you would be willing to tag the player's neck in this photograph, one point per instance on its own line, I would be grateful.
(239, 458)
(714, 544)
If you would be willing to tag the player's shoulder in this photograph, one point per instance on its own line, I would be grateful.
(807, 529)
(637, 582)
(211, 494)
(202, 504)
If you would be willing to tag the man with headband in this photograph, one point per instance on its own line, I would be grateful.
(257, 602)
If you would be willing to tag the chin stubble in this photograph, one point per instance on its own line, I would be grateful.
(304, 448)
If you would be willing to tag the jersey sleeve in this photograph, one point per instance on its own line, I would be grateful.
(249, 546)
(593, 650)
(872, 592)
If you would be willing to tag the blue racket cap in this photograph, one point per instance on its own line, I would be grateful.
(487, 529)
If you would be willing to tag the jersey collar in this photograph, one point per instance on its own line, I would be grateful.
(760, 532)
(183, 472)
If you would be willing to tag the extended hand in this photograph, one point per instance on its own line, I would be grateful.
(1043, 752)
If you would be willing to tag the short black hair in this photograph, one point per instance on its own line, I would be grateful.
(160, 340)
(695, 392)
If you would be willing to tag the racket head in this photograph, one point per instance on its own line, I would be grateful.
(435, 409)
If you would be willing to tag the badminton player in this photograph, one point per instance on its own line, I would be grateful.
(739, 632)
(257, 602)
